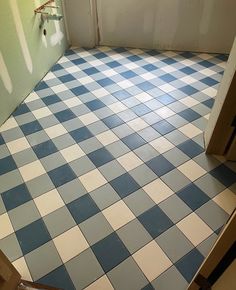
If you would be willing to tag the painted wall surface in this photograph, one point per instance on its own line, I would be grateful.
(227, 279)
(195, 25)
(25, 54)
(81, 22)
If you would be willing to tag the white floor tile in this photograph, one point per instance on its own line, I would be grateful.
(31, 170)
(18, 145)
(192, 170)
(88, 118)
(190, 130)
(107, 137)
(118, 214)
(137, 124)
(22, 268)
(226, 200)
(102, 283)
(92, 180)
(194, 229)
(161, 144)
(49, 202)
(72, 153)
(6, 226)
(158, 190)
(55, 131)
(70, 244)
(152, 260)
(41, 113)
(129, 161)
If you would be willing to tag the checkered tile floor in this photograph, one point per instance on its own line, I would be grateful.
(103, 177)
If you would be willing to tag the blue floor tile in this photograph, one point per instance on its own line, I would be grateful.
(100, 55)
(120, 49)
(78, 61)
(113, 64)
(110, 252)
(81, 134)
(223, 57)
(133, 141)
(189, 264)
(124, 185)
(33, 236)
(153, 52)
(134, 58)
(7, 164)
(141, 110)
(22, 109)
(189, 115)
(121, 95)
(95, 105)
(83, 208)
(52, 99)
(56, 67)
(160, 165)
(41, 86)
(30, 128)
(206, 63)
(169, 61)
(145, 86)
(217, 232)
(65, 115)
(209, 81)
(91, 71)
(112, 121)
(66, 78)
(128, 74)
(61, 175)
(105, 82)
(44, 149)
(69, 52)
(193, 196)
(225, 175)
(155, 221)
(148, 287)
(187, 54)
(16, 196)
(209, 103)
(150, 67)
(163, 127)
(80, 90)
(167, 78)
(100, 157)
(58, 278)
(1, 140)
(188, 70)
(189, 90)
(165, 99)
(190, 148)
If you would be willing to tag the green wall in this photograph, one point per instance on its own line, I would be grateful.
(25, 55)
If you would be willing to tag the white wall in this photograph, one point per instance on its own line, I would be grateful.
(80, 22)
(195, 25)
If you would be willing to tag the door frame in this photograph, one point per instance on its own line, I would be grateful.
(219, 131)
(223, 244)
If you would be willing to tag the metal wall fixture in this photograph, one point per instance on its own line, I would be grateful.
(46, 16)
(41, 9)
